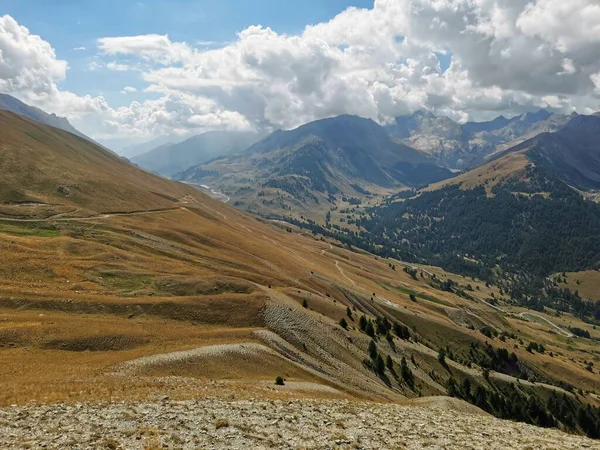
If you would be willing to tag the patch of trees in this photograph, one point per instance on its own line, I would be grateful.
(535, 347)
(537, 234)
(412, 272)
(514, 404)
(580, 332)
(497, 359)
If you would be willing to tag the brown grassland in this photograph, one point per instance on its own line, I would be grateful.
(121, 266)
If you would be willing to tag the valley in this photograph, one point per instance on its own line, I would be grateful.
(147, 289)
(349, 224)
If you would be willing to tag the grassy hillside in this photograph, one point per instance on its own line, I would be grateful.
(50, 170)
(200, 298)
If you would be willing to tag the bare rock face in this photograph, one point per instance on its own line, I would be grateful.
(307, 424)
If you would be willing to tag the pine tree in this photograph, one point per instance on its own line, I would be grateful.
(372, 349)
(406, 373)
(379, 365)
(389, 363)
(362, 323)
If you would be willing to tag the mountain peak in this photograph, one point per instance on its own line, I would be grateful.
(538, 116)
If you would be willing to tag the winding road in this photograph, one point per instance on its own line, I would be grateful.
(559, 329)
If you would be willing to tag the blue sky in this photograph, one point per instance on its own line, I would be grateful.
(69, 24)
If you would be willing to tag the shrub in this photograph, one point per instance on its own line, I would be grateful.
(221, 423)
(369, 329)
(442, 357)
(343, 323)
(279, 381)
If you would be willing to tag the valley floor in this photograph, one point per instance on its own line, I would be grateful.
(300, 424)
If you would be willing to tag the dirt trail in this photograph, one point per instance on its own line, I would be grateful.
(337, 265)
(59, 218)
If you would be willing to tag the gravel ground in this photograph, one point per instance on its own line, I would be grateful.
(307, 424)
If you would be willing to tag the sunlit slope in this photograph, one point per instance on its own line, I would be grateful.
(41, 164)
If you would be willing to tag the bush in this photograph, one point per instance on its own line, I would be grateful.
(221, 423)
(343, 323)
(442, 357)
(279, 381)
(305, 303)
(362, 323)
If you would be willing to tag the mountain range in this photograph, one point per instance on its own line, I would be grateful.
(346, 155)
(471, 144)
(170, 158)
(133, 150)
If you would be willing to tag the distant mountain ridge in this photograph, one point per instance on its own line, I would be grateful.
(10, 103)
(131, 151)
(168, 159)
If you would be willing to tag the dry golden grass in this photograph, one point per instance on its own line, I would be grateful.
(586, 282)
(490, 174)
(79, 297)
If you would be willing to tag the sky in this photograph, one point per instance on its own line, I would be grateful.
(129, 71)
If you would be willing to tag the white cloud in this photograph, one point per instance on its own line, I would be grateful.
(118, 67)
(28, 64)
(154, 47)
(78, 49)
(508, 56)
(128, 90)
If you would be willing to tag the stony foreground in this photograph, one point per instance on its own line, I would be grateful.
(219, 424)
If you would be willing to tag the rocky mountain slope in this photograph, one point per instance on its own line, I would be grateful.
(279, 424)
(572, 153)
(168, 159)
(468, 145)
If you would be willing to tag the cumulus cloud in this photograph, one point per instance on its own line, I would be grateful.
(27, 62)
(507, 57)
(149, 46)
(128, 90)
